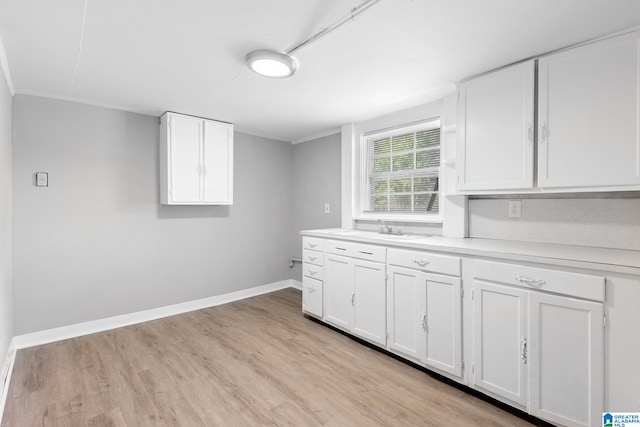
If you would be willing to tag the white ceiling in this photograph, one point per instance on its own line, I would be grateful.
(151, 56)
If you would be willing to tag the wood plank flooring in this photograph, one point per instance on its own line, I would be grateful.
(254, 362)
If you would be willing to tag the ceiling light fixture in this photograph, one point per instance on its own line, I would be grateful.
(280, 65)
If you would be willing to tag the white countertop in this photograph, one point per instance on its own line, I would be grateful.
(603, 259)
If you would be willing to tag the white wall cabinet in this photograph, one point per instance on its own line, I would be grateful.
(196, 161)
(587, 131)
(496, 130)
(539, 350)
(589, 118)
(424, 310)
(354, 291)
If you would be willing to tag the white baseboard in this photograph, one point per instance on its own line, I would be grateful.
(86, 328)
(7, 370)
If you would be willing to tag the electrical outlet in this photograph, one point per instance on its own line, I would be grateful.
(327, 208)
(515, 208)
(42, 179)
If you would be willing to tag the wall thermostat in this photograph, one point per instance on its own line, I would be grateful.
(42, 179)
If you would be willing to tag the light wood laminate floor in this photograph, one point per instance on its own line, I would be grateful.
(254, 362)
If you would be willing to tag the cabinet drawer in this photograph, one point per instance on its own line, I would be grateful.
(313, 257)
(312, 243)
(425, 261)
(560, 282)
(312, 296)
(313, 271)
(356, 250)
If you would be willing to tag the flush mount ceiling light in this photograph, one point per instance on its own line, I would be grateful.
(269, 63)
(280, 65)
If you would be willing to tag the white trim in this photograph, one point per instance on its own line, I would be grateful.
(4, 63)
(296, 284)
(5, 379)
(318, 135)
(89, 102)
(261, 134)
(91, 327)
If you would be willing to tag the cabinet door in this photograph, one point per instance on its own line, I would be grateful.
(567, 363)
(185, 159)
(218, 162)
(312, 296)
(405, 311)
(338, 291)
(495, 130)
(369, 301)
(589, 116)
(500, 340)
(443, 323)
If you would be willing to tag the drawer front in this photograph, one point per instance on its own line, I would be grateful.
(425, 261)
(356, 250)
(313, 257)
(313, 243)
(312, 296)
(313, 271)
(542, 279)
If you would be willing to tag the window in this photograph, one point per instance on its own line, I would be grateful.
(402, 170)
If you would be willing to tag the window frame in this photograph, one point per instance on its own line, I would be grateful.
(364, 185)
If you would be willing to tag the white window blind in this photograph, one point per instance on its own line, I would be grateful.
(403, 170)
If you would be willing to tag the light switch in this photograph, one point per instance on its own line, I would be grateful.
(515, 208)
(327, 208)
(42, 179)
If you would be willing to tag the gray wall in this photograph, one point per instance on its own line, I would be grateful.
(316, 181)
(6, 298)
(609, 222)
(96, 243)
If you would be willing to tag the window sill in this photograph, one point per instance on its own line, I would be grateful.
(435, 219)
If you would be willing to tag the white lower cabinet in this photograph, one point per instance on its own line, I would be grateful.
(536, 335)
(354, 296)
(312, 296)
(500, 340)
(566, 360)
(424, 310)
(542, 351)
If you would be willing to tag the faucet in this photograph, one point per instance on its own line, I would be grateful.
(384, 228)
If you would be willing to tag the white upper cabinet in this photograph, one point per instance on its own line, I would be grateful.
(496, 130)
(588, 115)
(196, 161)
(587, 127)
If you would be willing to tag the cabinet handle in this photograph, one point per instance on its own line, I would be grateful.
(311, 290)
(421, 262)
(523, 350)
(199, 170)
(423, 321)
(311, 272)
(341, 249)
(530, 133)
(313, 258)
(353, 298)
(529, 281)
(544, 133)
(366, 253)
(204, 170)
(313, 245)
